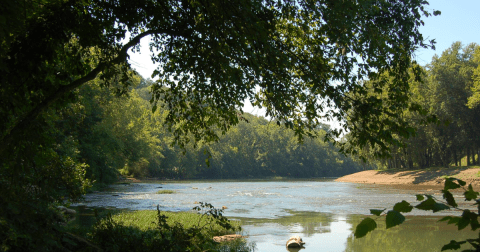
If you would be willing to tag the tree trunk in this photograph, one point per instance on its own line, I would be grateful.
(402, 163)
(476, 161)
(427, 156)
(468, 156)
(455, 156)
(478, 156)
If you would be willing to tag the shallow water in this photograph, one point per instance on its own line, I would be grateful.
(324, 213)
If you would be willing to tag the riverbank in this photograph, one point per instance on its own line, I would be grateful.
(431, 177)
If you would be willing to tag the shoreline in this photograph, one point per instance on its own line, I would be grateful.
(415, 179)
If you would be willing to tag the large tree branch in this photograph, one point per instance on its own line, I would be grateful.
(26, 119)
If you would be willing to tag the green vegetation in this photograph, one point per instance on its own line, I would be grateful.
(165, 192)
(447, 85)
(450, 82)
(63, 66)
(134, 231)
(142, 220)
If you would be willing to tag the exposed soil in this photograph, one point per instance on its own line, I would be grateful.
(415, 179)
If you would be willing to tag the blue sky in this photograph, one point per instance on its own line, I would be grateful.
(459, 21)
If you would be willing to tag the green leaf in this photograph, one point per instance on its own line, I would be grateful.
(426, 205)
(440, 207)
(463, 223)
(470, 194)
(367, 225)
(376, 212)
(452, 245)
(450, 184)
(403, 207)
(469, 217)
(454, 220)
(420, 197)
(474, 224)
(449, 198)
(430, 204)
(394, 218)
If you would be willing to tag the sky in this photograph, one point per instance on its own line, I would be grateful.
(459, 21)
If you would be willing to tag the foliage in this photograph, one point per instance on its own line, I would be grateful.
(36, 176)
(302, 55)
(474, 100)
(121, 132)
(428, 202)
(192, 232)
(445, 130)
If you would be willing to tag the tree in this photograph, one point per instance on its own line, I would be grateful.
(302, 55)
(442, 93)
(474, 100)
(213, 55)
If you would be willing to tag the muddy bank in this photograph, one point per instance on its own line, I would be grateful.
(428, 178)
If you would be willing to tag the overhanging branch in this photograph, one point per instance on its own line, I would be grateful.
(29, 117)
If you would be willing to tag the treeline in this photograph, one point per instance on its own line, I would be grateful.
(450, 91)
(115, 135)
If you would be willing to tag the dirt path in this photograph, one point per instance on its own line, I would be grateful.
(415, 178)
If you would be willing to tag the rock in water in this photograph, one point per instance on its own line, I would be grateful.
(295, 242)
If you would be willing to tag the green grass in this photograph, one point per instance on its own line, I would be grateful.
(146, 220)
(183, 231)
(165, 192)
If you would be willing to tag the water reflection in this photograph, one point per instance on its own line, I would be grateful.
(330, 232)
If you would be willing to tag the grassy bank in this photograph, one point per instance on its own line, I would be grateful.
(146, 220)
(148, 230)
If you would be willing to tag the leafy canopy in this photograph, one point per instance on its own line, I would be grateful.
(297, 59)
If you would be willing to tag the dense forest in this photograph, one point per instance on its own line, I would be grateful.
(114, 135)
(448, 128)
(118, 134)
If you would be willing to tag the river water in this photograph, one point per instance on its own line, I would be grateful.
(323, 212)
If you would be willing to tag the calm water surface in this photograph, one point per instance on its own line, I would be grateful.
(323, 213)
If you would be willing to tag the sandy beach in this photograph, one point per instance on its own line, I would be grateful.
(415, 178)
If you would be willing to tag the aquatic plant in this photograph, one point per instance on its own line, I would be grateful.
(165, 192)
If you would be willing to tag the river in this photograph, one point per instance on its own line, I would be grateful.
(323, 212)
